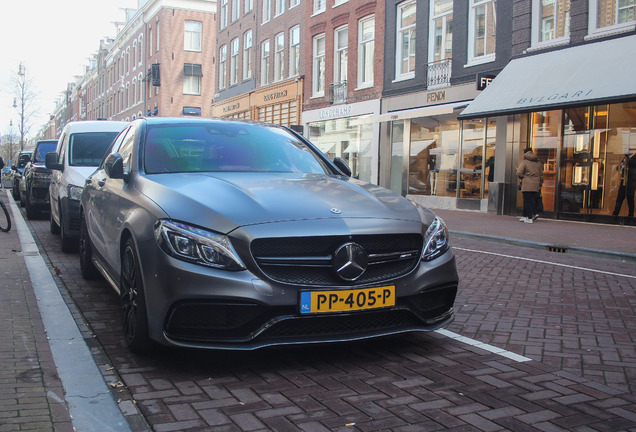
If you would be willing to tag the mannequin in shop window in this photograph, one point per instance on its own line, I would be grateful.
(626, 185)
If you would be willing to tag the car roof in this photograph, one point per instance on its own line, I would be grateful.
(194, 120)
(95, 126)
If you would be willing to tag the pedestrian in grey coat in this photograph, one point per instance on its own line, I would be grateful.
(530, 173)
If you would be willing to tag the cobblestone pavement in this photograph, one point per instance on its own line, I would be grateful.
(577, 326)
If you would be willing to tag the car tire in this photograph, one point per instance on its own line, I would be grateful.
(16, 192)
(31, 213)
(87, 268)
(135, 316)
(53, 226)
(68, 244)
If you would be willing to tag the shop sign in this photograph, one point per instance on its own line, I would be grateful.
(554, 97)
(437, 96)
(231, 107)
(278, 94)
(484, 80)
(341, 111)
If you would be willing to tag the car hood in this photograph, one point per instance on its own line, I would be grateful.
(225, 201)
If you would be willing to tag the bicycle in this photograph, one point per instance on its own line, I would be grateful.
(5, 219)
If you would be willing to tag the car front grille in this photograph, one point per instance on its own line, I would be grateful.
(309, 260)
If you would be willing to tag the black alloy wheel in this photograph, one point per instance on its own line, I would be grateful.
(135, 317)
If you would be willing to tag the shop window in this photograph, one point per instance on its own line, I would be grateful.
(477, 158)
(434, 143)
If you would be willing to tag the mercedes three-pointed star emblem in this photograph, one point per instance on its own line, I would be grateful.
(350, 261)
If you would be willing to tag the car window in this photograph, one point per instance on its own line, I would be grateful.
(88, 148)
(227, 147)
(43, 149)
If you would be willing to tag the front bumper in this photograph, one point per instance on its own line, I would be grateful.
(198, 307)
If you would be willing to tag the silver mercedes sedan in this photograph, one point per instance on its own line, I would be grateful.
(240, 235)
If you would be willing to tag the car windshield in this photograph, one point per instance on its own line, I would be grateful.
(43, 149)
(227, 147)
(88, 148)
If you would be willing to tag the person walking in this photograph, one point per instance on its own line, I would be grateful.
(627, 185)
(530, 173)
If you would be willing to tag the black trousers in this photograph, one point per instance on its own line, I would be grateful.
(625, 192)
(530, 204)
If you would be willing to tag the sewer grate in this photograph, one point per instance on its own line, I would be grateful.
(559, 249)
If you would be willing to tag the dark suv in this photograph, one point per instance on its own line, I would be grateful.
(23, 159)
(36, 179)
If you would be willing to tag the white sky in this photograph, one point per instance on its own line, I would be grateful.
(54, 39)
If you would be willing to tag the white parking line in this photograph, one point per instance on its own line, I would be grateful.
(484, 346)
(546, 262)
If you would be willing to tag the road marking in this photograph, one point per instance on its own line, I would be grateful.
(546, 262)
(484, 346)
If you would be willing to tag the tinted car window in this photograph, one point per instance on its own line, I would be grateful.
(88, 148)
(227, 147)
(43, 149)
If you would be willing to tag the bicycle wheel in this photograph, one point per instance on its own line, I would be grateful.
(5, 219)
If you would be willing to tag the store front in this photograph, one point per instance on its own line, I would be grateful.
(344, 131)
(280, 103)
(576, 108)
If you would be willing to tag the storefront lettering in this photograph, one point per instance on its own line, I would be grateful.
(554, 97)
(231, 107)
(436, 96)
(335, 112)
(275, 95)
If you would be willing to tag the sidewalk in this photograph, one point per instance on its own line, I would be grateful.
(43, 386)
(50, 381)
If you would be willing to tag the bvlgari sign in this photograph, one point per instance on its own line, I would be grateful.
(555, 97)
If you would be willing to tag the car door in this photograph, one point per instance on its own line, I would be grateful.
(56, 175)
(102, 210)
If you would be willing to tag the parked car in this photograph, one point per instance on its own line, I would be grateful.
(238, 235)
(23, 158)
(34, 184)
(79, 151)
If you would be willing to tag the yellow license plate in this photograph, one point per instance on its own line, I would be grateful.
(347, 300)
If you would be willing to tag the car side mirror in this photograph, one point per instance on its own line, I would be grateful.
(114, 166)
(50, 161)
(342, 166)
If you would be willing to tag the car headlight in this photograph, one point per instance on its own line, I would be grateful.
(197, 245)
(75, 192)
(435, 240)
(41, 175)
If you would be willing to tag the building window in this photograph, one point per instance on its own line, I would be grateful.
(320, 6)
(441, 30)
(293, 3)
(482, 35)
(267, 10)
(236, 10)
(192, 79)
(249, 5)
(318, 66)
(223, 17)
(406, 14)
(366, 48)
(341, 49)
(222, 67)
(339, 2)
(234, 64)
(265, 63)
(279, 57)
(612, 15)
(294, 51)
(192, 37)
(280, 7)
(550, 21)
(247, 55)
(158, 36)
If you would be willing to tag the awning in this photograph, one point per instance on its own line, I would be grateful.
(601, 72)
(412, 113)
(192, 69)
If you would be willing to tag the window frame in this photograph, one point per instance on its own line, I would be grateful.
(223, 15)
(265, 61)
(267, 11)
(294, 52)
(399, 32)
(279, 57)
(318, 66)
(537, 21)
(362, 58)
(595, 31)
(474, 59)
(193, 37)
(247, 54)
(340, 64)
(234, 60)
(223, 82)
(319, 6)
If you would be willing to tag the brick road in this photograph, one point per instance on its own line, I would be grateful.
(577, 326)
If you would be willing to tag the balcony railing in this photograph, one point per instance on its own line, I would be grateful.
(439, 73)
(338, 93)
